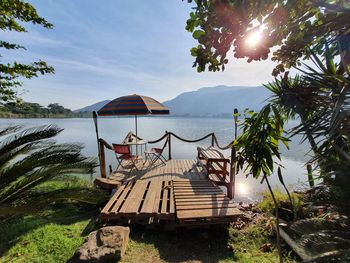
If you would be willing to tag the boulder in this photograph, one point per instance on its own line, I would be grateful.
(108, 244)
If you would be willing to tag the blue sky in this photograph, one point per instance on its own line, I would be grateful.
(106, 49)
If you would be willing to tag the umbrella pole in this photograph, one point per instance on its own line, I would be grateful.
(136, 133)
(94, 115)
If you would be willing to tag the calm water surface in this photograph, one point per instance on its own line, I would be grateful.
(113, 130)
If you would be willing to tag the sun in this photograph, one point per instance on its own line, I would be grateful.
(242, 188)
(253, 39)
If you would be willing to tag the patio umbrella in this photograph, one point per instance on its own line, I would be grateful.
(132, 105)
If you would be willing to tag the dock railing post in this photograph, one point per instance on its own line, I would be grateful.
(232, 173)
(233, 155)
(212, 139)
(169, 144)
(102, 159)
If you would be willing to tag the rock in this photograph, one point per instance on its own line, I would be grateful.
(266, 247)
(108, 244)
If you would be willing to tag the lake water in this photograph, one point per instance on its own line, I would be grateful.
(113, 130)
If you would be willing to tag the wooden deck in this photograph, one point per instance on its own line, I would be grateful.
(178, 192)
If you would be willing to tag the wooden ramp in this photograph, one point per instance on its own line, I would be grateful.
(199, 201)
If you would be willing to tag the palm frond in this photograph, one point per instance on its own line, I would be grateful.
(27, 136)
(19, 187)
(29, 158)
(9, 129)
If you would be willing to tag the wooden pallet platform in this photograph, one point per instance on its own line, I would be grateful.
(145, 200)
(177, 192)
(202, 200)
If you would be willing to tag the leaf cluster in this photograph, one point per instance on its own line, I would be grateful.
(289, 27)
(13, 15)
(28, 158)
(320, 97)
(259, 142)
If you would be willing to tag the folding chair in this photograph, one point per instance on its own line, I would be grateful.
(123, 153)
(156, 154)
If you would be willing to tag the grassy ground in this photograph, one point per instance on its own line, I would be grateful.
(54, 235)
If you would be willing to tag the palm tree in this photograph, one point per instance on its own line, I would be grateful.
(28, 158)
(321, 98)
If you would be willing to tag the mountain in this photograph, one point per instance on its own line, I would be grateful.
(217, 101)
(93, 107)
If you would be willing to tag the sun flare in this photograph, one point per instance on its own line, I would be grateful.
(242, 188)
(253, 39)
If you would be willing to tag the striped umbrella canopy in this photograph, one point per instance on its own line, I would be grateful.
(133, 105)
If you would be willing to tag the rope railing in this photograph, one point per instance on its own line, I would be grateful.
(191, 141)
(222, 147)
(212, 135)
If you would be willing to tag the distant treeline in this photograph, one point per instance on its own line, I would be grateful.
(35, 110)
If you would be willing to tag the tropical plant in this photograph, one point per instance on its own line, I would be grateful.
(13, 15)
(258, 145)
(28, 158)
(314, 98)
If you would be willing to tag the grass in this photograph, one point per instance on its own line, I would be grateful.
(54, 234)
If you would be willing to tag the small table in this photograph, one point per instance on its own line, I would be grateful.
(137, 143)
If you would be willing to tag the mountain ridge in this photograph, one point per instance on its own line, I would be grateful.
(93, 107)
(208, 101)
(217, 101)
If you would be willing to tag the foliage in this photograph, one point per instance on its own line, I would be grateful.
(267, 205)
(288, 27)
(323, 235)
(259, 141)
(258, 144)
(28, 159)
(315, 98)
(34, 110)
(13, 15)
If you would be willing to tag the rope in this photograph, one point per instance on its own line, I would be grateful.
(160, 139)
(224, 147)
(191, 141)
(195, 140)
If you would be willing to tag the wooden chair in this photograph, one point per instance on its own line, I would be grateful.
(123, 153)
(156, 154)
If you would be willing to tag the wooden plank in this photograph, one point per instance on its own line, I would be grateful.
(207, 213)
(195, 187)
(157, 197)
(206, 202)
(213, 196)
(113, 199)
(165, 198)
(217, 199)
(148, 204)
(172, 200)
(197, 192)
(193, 182)
(134, 199)
(206, 206)
(120, 200)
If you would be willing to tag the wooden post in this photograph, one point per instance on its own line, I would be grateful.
(212, 140)
(169, 144)
(231, 191)
(102, 160)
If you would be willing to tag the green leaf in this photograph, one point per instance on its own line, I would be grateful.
(198, 33)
